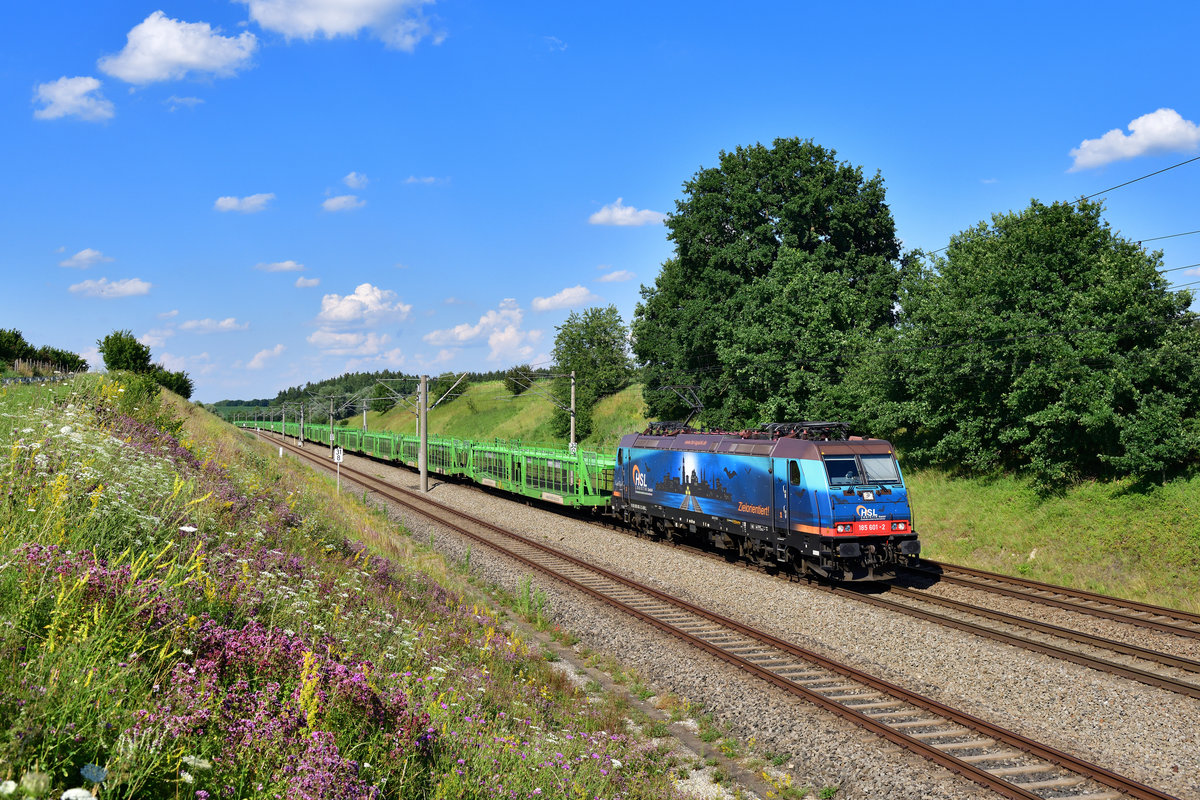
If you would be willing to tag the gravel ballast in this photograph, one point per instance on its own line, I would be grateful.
(1142, 732)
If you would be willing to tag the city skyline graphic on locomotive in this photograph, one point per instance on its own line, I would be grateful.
(804, 495)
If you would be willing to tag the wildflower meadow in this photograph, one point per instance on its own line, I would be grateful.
(183, 614)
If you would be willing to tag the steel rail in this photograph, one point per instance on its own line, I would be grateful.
(983, 777)
(1029, 591)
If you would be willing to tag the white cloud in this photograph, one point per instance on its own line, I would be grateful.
(343, 202)
(71, 97)
(554, 43)
(163, 49)
(247, 205)
(500, 327)
(1163, 131)
(348, 344)
(169, 314)
(427, 180)
(616, 276)
(398, 23)
(174, 103)
(356, 180)
(368, 305)
(307, 283)
(280, 266)
(226, 325)
(93, 358)
(157, 337)
(571, 297)
(197, 365)
(126, 287)
(389, 359)
(260, 358)
(619, 214)
(85, 258)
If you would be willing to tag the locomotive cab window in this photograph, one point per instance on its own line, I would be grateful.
(842, 470)
(620, 456)
(880, 468)
(794, 473)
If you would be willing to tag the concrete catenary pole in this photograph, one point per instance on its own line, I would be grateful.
(331, 427)
(423, 424)
(572, 411)
(300, 437)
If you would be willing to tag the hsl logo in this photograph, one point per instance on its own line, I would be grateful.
(639, 480)
(866, 513)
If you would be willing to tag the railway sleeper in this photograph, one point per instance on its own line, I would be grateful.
(982, 758)
(939, 734)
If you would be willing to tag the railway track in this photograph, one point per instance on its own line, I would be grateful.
(1143, 615)
(1005, 762)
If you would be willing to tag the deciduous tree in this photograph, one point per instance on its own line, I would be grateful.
(784, 257)
(1045, 342)
(595, 345)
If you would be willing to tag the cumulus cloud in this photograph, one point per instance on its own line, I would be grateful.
(249, 204)
(71, 97)
(1163, 131)
(354, 343)
(620, 214)
(426, 180)
(397, 23)
(157, 337)
(499, 327)
(85, 258)
(126, 287)
(226, 325)
(307, 283)
(616, 276)
(169, 314)
(356, 180)
(343, 202)
(571, 297)
(163, 49)
(197, 365)
(174, 103)
(280, 266)
(260, 358)
(368, 305)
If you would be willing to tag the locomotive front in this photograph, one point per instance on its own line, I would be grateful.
(799, 495)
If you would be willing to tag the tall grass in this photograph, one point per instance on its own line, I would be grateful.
(1111, 537)
(183, 614)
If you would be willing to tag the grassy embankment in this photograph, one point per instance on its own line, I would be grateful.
(1104, 537)
(183, 614)
(486, 411)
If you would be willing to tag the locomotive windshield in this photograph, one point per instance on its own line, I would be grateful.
(851, 470)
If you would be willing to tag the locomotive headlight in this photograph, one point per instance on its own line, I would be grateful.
(868, 495)
(899, 526)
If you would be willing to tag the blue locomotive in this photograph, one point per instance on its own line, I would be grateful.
(801, 496)
(804, 496)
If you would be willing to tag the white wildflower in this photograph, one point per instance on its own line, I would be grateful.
(195, 762)
(188, 528)
(65, 429)
(76, 794)
(8, 787)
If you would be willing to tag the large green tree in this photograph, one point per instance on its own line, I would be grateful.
(1045, 342)
(595, 345)
(786, 261)
(122, 351)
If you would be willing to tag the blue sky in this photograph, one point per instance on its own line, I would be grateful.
(274, 191)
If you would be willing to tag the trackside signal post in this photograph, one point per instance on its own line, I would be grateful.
(423, 424)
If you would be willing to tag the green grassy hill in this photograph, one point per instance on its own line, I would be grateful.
(486, 411)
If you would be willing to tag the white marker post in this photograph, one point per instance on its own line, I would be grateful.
(337, 459)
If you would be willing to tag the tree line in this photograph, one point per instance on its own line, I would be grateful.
(1040, 342)
(14, 347)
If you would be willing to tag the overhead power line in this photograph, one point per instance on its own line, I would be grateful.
(1135, 180)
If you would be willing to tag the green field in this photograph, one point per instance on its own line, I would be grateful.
(1105, 537)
